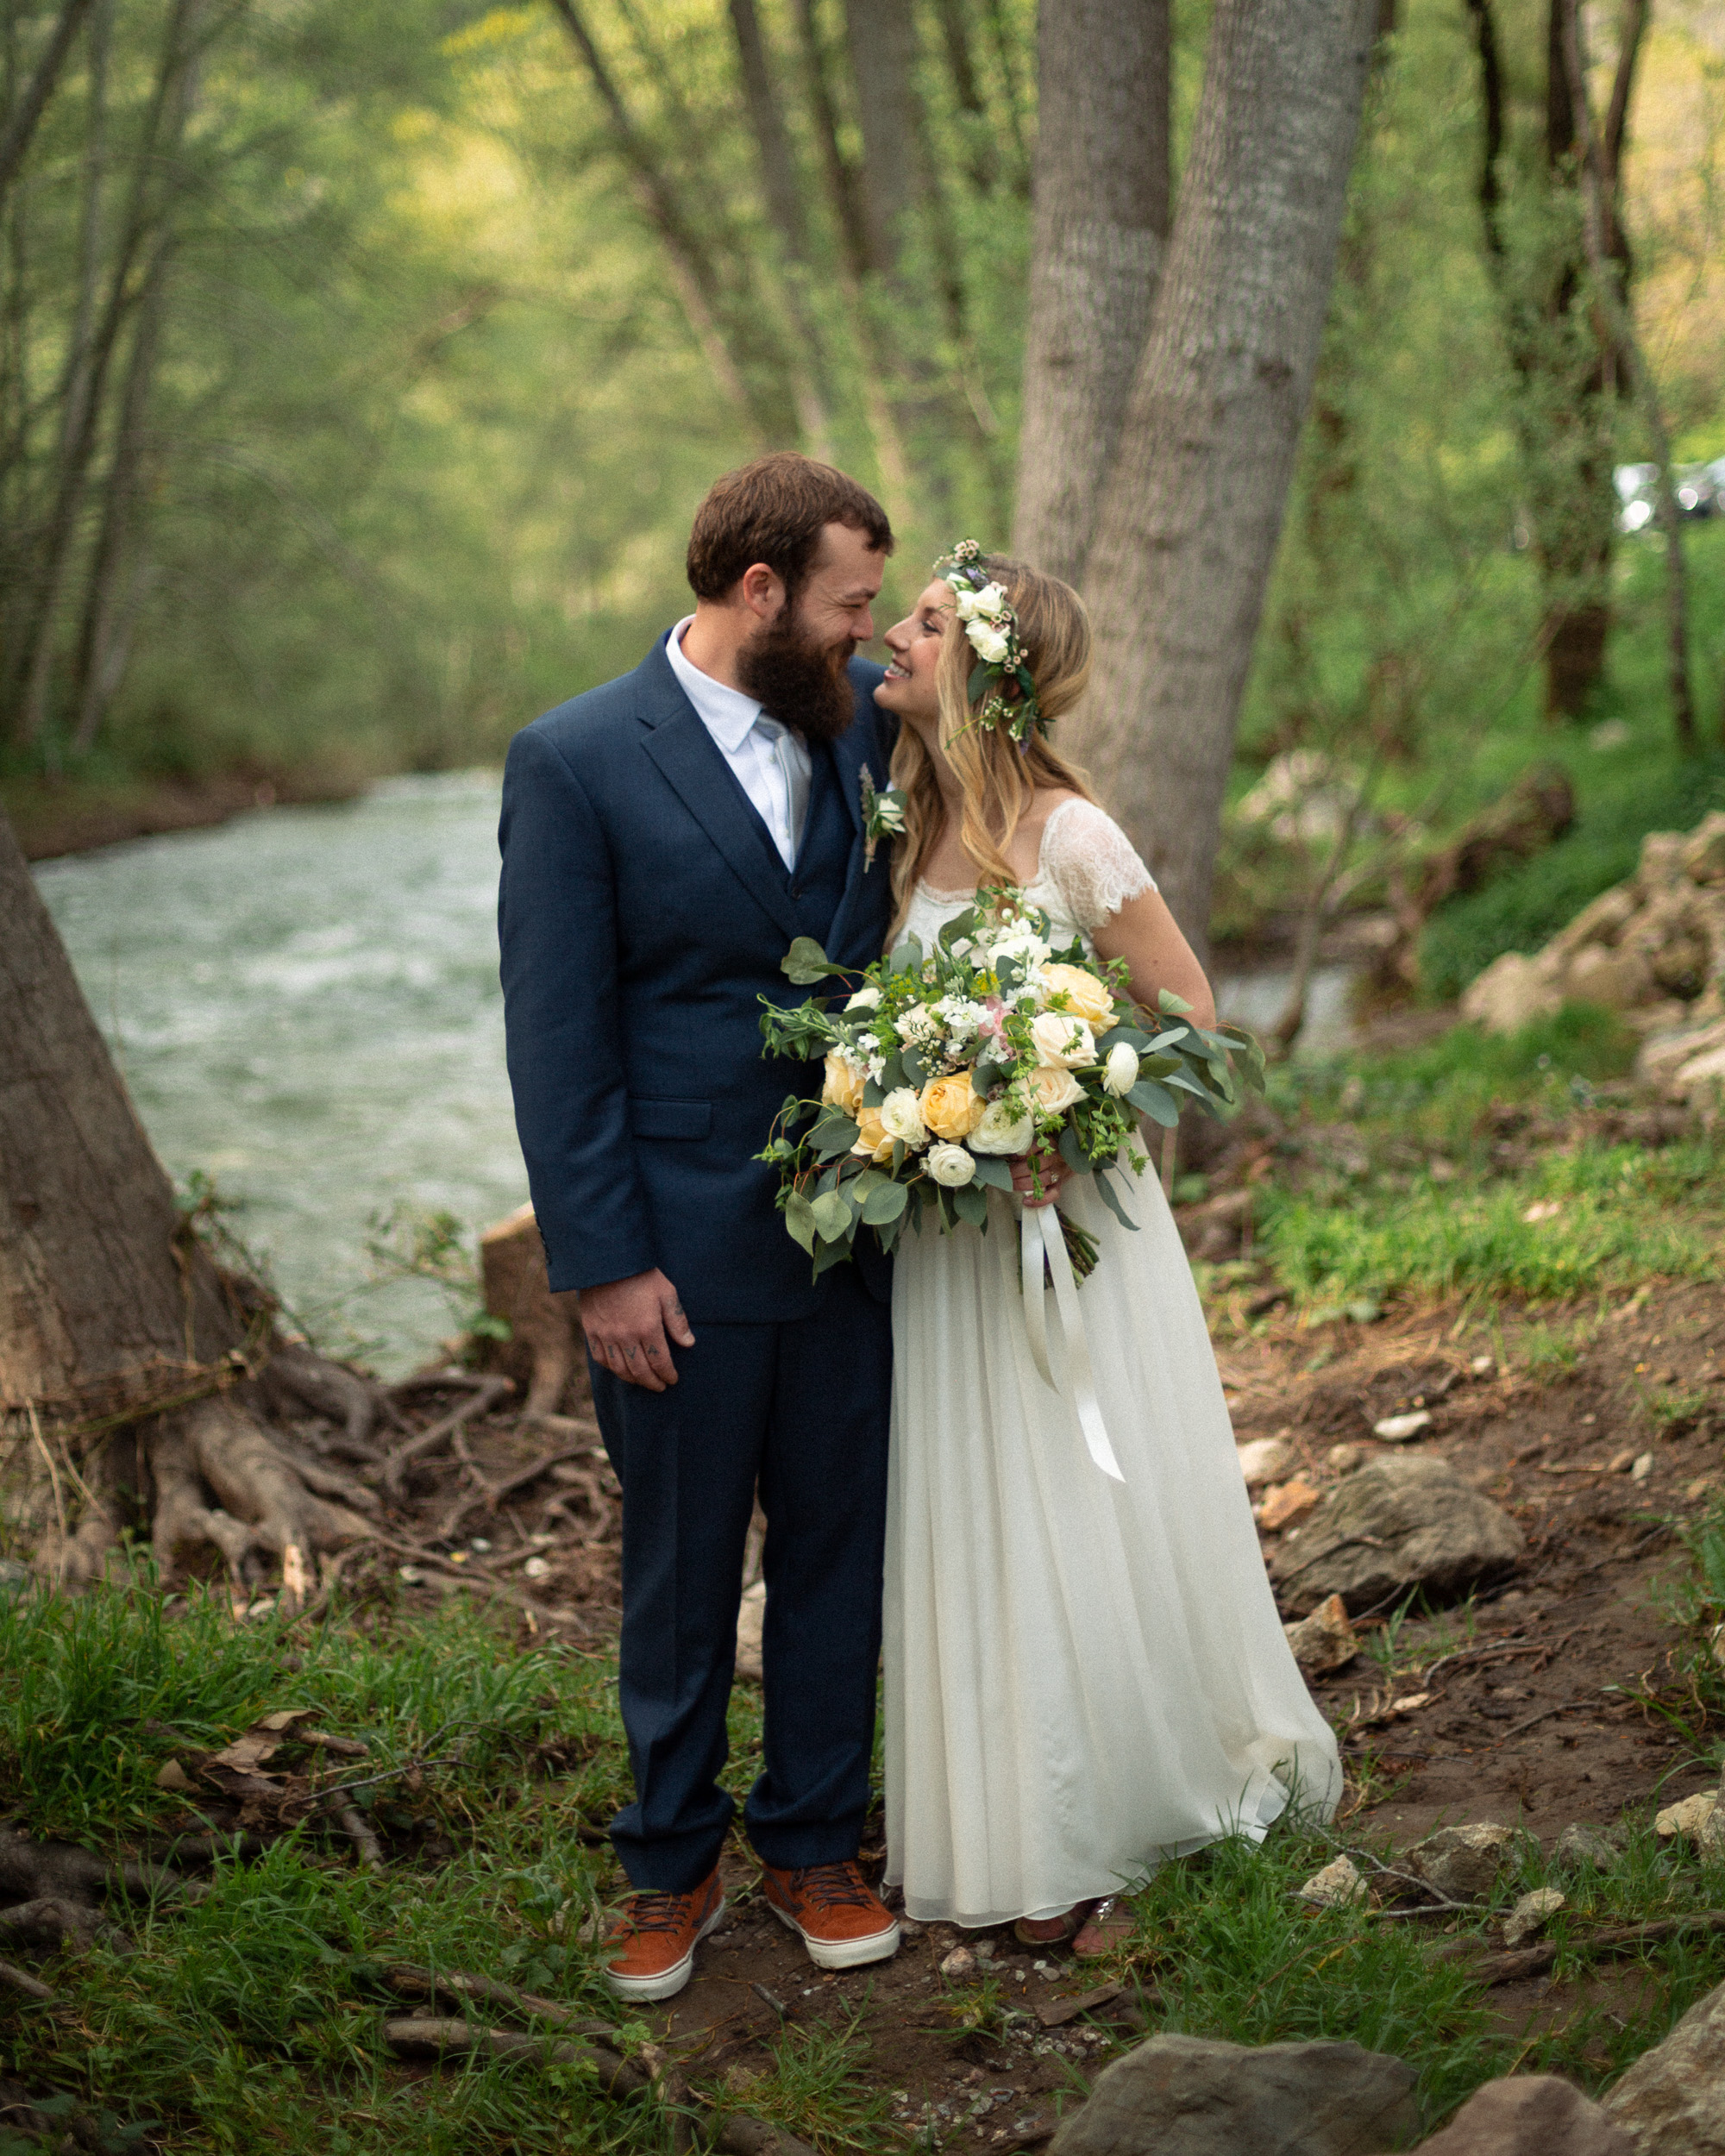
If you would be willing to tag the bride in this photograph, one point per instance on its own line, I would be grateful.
(1083, 1676)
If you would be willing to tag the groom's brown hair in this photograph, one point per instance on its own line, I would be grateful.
(774, 511)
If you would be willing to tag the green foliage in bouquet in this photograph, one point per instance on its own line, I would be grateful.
(944, 1065)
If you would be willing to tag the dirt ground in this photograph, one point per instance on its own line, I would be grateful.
(1537, 1719)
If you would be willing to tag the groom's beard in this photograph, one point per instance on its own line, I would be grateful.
(798, 681)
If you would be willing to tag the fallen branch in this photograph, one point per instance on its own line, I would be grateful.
(415, 1983)
(1517, 1962)
(354, 1825)
(18, 1979)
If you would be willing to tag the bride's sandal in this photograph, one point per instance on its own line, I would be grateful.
(1051, 1931)
(1105, 1930)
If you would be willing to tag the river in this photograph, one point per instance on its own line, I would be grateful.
(305, 1006)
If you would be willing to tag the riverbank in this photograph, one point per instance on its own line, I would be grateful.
(1492, 1249)
(77, 815)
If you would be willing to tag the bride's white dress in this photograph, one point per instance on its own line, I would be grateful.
(1083, 1676)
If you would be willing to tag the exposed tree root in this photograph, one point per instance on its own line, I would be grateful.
(48, 1921)
(17, 1979)
(296, 1376)
(487, 1391)
(458, 1984)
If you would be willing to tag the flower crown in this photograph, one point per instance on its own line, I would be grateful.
(999, 675)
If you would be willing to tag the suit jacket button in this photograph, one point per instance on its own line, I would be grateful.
(796, 890)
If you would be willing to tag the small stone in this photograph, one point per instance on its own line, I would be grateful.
(1288, 1502)
(1338, 1885)
(1267, 1460)
(1698, 1487)
(1411, 1703)
(1581, 1845)
(1462, 1864)
(172, 1776)
(1530, 2115)
(959, 1966)
(985, 1949)
(1621, 1463)
(1642, 1467)
(536, 1568)
(1481, 1365)
(1531, 1914)
(1325, 1640)
(1344, 1458)
(409, 1575)
(1542, 1209)
(1397, 1429)
(1683, 1821)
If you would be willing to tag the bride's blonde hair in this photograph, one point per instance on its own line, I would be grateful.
(997, 780)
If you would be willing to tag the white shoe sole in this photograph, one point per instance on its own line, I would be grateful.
(847, 1953)
(669, 1981)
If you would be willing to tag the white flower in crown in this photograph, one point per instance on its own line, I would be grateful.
(990, 604)
(988, 642)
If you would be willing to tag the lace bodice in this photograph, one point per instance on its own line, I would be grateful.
(1086, 870)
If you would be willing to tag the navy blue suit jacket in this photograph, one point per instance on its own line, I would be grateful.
(644, 910)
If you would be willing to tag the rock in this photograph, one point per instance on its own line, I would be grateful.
(1191, 2096)
(1462, 1864)
(1673, 2099)
(1664, 1055)
(1684, 1821)
(172, 1776)
(1530, 2115)
(1399, 1428)
(1512, 992)
(1325, 1640)
(1618, 979)
(751, 1616)
(1402, 1522)
(1581, 1845)
(1700, 1073)
(1641, 1467)
(1344, 1458)
(1531, 1914)
(1267, 1460)
(1288, 1502)
(1703, 852)
(959, 1966)
(1338, 1885)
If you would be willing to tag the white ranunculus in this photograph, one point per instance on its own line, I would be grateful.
(866, 999)
(988, 642)
(1063, 1040)
(1120, 1072)
(950, 1164)
(1001, 1131)
(901, 1116)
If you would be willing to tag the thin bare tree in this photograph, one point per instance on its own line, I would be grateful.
(1100, 230)
(21, 123)
(1189, 524)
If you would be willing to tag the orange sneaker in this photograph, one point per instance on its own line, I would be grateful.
(653, 1940)
(842, 1922)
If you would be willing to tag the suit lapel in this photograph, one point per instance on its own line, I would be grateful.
(694, 766)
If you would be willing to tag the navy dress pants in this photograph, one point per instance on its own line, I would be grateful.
(802, 1408)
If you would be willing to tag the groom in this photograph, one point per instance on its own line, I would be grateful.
(664, 839)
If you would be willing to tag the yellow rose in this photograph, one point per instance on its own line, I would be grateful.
(952, 1107)
(843, 1087)
(1054, 1089)
(1086, 997)
(872, 1140)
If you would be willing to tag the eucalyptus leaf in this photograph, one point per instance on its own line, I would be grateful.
(834, 1134)
(992, 1172)
(884, 1202)
(827, 1255)
(971, 1203)
(1111, 1198)
(1072, 1150)
(1156, 1101)
(1167, 1000)
(805, 962)
(831, 1215)
(799, 1220)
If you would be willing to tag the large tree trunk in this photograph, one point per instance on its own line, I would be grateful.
(1189, 525)
(882, 36)
(113, 1315)
(1100, 197)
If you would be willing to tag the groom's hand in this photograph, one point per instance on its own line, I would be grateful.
(626, 1322)
(1042, 1187)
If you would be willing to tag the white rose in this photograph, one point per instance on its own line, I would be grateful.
(867, 998)
(901, 1116)
(889, 815)
(1054, 1088)
(988, 642)
(949, 1164)
(1120, 1072)
(1001, 1131)
(968, 603)
(1063, 1040)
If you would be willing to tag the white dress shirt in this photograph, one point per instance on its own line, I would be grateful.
(729, 716)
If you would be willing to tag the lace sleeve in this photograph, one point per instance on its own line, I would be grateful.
(1091, 862)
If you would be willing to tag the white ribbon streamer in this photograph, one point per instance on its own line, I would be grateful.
(1040, 1237)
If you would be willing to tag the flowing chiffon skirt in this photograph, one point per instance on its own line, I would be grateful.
(1082, 1678)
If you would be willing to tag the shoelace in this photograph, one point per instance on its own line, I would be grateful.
(839, 1885)
(651, 1911)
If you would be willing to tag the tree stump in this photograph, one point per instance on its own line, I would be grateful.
(544, 1350)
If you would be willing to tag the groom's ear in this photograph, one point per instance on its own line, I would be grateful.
(761, 591)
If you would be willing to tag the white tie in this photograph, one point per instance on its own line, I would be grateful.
(792, 761)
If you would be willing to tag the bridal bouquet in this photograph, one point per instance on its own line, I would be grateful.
(944, 1065)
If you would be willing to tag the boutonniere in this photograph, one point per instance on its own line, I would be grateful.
(883, 816)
